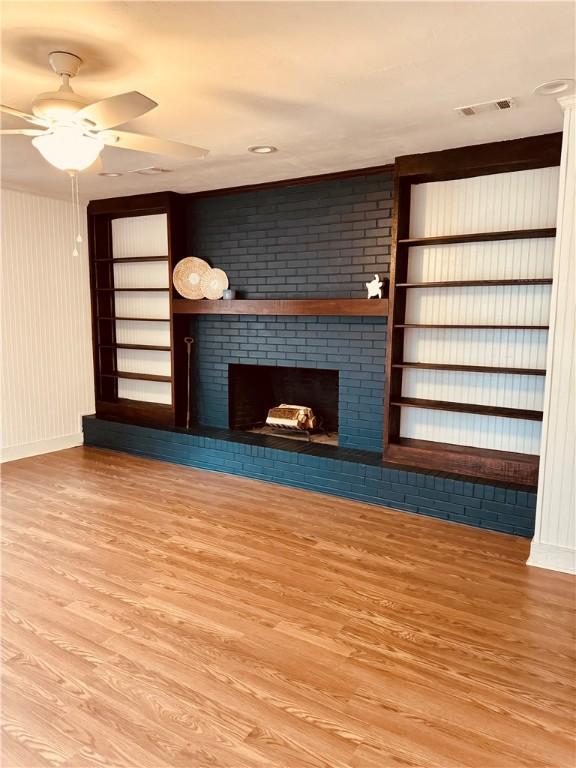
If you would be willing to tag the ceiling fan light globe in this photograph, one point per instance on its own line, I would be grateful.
(68, 149)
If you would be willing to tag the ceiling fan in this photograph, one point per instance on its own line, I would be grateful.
(70, 132)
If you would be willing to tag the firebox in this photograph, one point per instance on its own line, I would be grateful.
(254, 389)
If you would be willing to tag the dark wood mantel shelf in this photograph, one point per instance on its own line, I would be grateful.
(325, 307)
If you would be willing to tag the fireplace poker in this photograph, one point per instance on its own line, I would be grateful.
(188, 340)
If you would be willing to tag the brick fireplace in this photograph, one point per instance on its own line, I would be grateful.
(254, 389)
(353, 348)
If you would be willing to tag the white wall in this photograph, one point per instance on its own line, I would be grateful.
(554, 543)
(46, 353)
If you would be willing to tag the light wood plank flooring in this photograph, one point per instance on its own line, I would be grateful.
(155, 615)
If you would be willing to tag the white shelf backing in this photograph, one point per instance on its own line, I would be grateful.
(149, 274)
(145, 391)
(137, 236)
(142, 304)
(134, 332)
(502, 348)
(494, 260)
(478, 431)
(491, 203)
(480, 305)
(143, 361)
(501, 390)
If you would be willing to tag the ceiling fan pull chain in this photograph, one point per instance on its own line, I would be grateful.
(75, 211)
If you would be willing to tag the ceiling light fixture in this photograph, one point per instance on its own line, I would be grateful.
(554, 87)
(110, 174)
(68, 148)
(263, 149)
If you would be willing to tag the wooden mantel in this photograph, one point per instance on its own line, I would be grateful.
(319, 307)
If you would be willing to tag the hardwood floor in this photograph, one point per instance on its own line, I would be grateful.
(155, 615)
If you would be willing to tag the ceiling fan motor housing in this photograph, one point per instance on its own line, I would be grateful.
(60, 104)
(64, 63)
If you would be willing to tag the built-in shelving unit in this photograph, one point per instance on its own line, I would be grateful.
(454, 296)
(467, 319)
(133, 244)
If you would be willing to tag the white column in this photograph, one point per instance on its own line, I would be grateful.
(554, 542)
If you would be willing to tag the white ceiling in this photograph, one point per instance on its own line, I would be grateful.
(334, 85)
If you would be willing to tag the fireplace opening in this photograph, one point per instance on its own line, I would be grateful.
(253, 390)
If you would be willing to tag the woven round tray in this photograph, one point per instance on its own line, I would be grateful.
(188, 275)
(214, 283)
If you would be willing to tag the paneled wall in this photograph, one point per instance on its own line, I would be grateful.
(47, 378)
(498, 202)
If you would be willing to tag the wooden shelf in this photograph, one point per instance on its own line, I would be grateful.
(519, 469)
(476, 327)
(140, 290)
(136, 346)
(139, 319)
(469, 283)
(325, 307)
(138, 376)
(131, 260)
(478, 237)
(472, 368)
(484, 410)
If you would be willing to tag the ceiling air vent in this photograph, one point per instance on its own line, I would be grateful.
(485, 106)
(150, 170)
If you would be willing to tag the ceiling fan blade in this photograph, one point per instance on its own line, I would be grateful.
(23, 116)
(142, 143)
(115, 110)
(20, 132)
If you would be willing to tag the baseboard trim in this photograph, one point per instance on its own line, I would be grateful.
(553, 557)
(15, 452)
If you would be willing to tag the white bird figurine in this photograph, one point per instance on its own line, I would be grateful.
(374, 287)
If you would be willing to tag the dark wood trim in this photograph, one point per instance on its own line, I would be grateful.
(131, 260)
(472, 368)
(481, 159)
(371, 170)
(519, 469)
(137, 376)
(139, 319)
(477, 283)
(153, 347)
(133, 205)
(139, 290)
(484, 410)
(318, 307)
(481, 237)
(397, 301)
